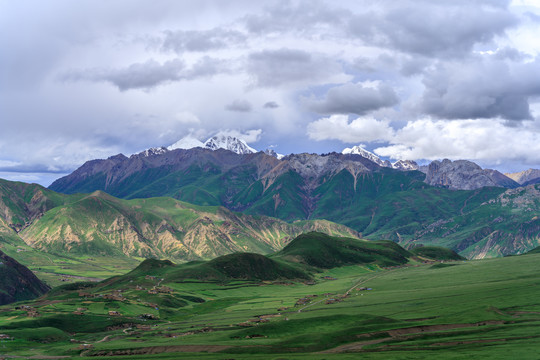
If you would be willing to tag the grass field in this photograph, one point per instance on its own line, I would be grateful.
(485, 309)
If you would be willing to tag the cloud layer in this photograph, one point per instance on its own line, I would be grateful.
(418, 79)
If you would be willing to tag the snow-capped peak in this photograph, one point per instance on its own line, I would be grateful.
(274, 154)
(187, 142)
(231, 143)
(218, 141)
(358, 150)
(405, 165)
(153, 151)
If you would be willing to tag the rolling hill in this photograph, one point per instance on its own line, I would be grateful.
(266, 309)
(100, 224)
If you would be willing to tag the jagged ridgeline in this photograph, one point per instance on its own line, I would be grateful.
(349, 189)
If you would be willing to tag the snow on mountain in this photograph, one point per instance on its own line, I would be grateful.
(219, 141)
(358, 150)
(405, 165)
(231, 143)
(187, 142)
(153, 151)
(274, 154)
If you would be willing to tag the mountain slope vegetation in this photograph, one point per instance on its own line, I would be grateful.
(100, 224)
(17, 282)
(378, 202)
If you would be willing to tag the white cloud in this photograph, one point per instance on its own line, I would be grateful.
(490, 141)
(249, 136)
(485, 140)
(338, 127)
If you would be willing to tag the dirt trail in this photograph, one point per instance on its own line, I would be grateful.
(358, 283)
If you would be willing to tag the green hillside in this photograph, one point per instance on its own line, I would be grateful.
(436, 253)
(99, 224)
(482, 309)
(326, 252)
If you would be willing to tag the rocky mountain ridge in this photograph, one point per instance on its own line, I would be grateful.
(526, 177)
(465, 175)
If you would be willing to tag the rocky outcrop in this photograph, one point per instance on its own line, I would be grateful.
(465, 175)
(527, 177)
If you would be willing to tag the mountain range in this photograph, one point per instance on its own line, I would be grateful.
(380, 202)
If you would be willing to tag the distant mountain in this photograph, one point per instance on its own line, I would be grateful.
(216, 142)
(358, 150)
(465, 175)
(527, 177)
(188, 142)
(274, 154)
(406, 165)
(508, 223)
(17, 282)
(230, 143)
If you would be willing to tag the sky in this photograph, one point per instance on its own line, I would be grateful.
(410, 79)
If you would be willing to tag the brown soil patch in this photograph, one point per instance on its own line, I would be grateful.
(524, 312)
(404, 334)
(160, 349)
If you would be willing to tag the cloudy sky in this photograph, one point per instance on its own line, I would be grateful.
(418, 79)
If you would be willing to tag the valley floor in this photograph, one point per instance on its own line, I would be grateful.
(486, 309)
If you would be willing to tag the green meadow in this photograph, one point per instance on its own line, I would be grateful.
(482, 309)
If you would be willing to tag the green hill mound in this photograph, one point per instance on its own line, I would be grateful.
(239, 266)
(436, 253)
(326, 252)
(151, 264)
(536, 250)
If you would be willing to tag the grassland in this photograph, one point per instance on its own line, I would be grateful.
(482, 309)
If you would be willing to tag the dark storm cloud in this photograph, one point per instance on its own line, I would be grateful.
(482, 87)
(150, 74)
(432, 28)
(272, 68)
(239, 106)
(217, 38)
(354, 99)
(271, 105)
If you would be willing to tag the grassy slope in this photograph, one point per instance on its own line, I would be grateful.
(323, 251)
(465, 311)
(100, 224)
(436, 253)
